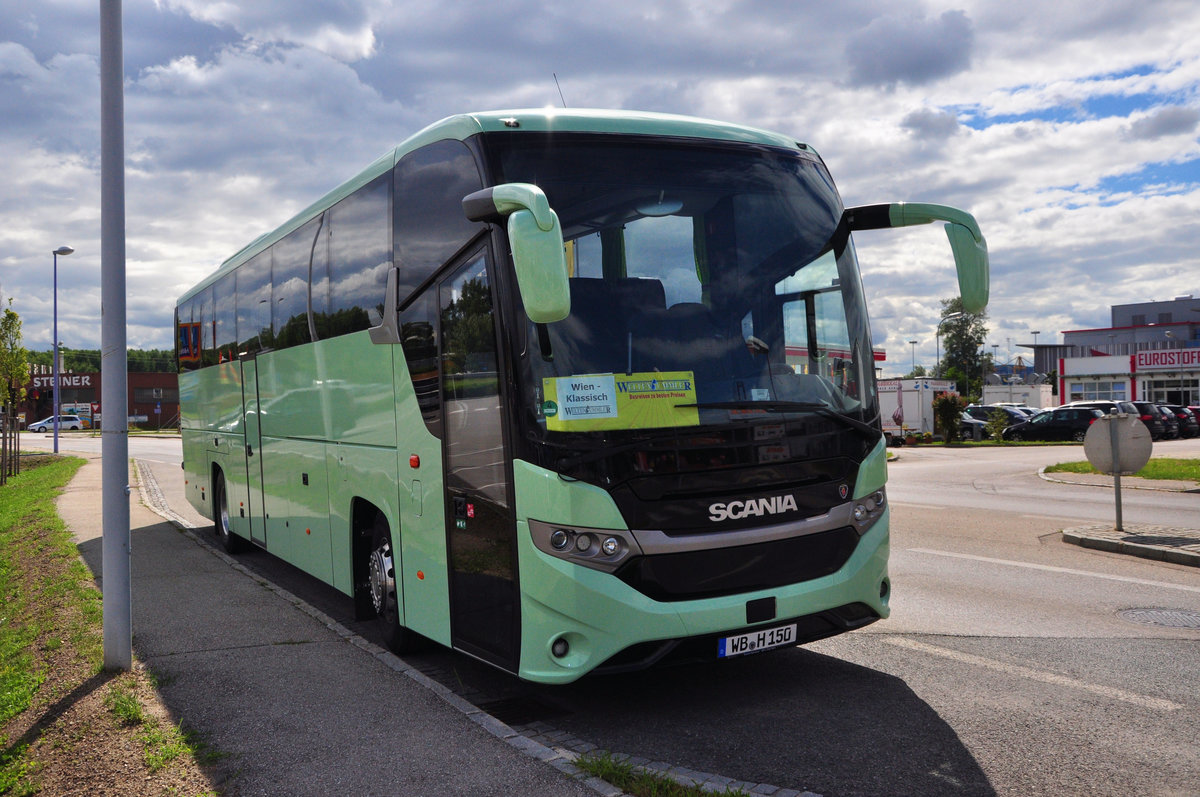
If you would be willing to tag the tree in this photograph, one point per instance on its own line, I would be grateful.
(14, 372)
(947, 409)
(962, 339)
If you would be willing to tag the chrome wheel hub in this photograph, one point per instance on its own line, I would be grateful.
(381, 577)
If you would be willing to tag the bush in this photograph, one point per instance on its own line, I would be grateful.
(947, 409)
(997, 422)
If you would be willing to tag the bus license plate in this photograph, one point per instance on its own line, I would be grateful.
(755, 641)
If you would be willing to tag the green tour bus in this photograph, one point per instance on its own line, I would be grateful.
(567, 391)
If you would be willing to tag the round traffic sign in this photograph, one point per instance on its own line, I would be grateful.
(1118, 444)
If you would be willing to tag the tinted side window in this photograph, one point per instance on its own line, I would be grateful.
(359, 258)
(289, 285)
(187, 335)
(225, 317)
(208, 351)
(430, 226)
(418, 324)
(254, 305)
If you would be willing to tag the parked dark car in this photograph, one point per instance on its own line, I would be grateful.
(1148, 413)
(967, 426)
(984, 412)
(1189, 425)
(1106, 405)
(1169, 421)
(1064, 423)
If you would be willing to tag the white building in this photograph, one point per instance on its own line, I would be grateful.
(1150, 353)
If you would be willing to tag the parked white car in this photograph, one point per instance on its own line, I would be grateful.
(71, 422)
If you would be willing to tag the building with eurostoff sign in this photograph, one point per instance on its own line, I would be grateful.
(1150, 353)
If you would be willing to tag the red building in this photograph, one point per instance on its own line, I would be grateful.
(153, 397)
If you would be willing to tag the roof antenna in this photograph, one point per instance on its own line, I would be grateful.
(560, 94)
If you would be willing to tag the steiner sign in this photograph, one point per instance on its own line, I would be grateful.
(594, 402)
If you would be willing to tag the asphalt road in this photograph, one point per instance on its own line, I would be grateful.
(1006, 667)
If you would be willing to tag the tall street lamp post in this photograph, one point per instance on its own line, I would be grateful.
(913, 343)
(938, 341)
(64, 251)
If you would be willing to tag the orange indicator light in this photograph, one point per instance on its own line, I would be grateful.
(414, 461)
(420, 575)
(308, 531)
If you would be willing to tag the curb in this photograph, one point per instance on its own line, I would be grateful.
(565, 750)
(1132, 543)
(1127, 483)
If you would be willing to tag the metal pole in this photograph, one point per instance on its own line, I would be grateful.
(1116, 456)
(114, 364)
(55, 408)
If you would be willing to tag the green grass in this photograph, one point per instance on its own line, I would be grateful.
(640, 782)
(45, 594)
(125, 706)
(31, 531)
(1167, 468)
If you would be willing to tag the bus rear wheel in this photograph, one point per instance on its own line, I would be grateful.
(230, 542)
(381, 586)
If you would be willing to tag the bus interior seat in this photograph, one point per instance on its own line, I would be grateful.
(594, 338)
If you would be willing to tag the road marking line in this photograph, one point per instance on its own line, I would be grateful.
(1036, 675)
(1053, 569)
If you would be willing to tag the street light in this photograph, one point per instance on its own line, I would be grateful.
(1035, 333)
(64, 251)
(914, 358)
(937, 337)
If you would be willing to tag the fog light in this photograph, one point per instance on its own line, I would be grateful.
(560, 648)
(583, 543)
(879, 498)
(559, 539)
(610, 546)
(883, 589)
(860, 513)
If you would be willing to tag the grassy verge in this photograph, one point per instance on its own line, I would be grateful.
(31, 532)
(641, 782)
(65, 725)
(1167, 468)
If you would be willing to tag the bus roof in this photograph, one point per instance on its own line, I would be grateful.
(463, 126)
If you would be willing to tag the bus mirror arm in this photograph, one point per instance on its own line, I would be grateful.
(535, 236)
(388, 330)
(966, 240)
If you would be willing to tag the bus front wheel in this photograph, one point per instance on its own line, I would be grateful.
(381, 583)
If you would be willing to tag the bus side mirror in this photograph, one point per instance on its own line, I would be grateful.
(537, 245)
(966, 241)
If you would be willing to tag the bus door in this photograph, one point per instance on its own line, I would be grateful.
(480, 522)
(252, 450)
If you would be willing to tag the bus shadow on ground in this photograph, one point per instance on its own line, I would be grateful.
(794, 718)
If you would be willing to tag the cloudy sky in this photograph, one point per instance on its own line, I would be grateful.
(1072, 133)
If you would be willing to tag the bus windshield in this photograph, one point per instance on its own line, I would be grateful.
(710, 285)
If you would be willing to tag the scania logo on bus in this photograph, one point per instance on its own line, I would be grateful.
(754, 507)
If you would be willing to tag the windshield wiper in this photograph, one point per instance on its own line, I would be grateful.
(817, 408)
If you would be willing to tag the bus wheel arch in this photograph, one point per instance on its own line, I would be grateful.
(376, 577)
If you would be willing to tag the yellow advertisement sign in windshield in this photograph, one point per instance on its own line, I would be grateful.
(595, 402)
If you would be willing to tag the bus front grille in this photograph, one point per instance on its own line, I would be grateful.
(691, 575)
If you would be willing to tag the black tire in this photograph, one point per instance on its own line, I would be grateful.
(1015, 437)
(229, 541)
(381, 588)
(1078, 436)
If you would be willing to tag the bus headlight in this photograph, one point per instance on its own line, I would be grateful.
(867, 510)
(601, 549)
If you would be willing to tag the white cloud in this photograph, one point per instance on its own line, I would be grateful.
(1070, 133)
